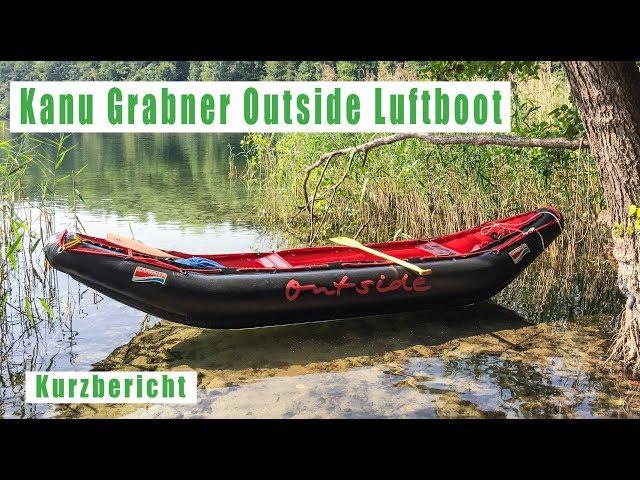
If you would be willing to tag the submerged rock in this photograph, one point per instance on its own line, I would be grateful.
(482, 361)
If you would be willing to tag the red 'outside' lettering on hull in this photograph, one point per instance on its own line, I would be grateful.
(294, 289)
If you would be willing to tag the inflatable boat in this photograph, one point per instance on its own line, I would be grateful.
(243, 290)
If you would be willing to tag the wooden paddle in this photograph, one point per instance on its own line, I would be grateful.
(137, 246)
(350, 242)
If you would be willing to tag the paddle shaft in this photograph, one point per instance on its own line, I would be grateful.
(131, 244)
(355, 244)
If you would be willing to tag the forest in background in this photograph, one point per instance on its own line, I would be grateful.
(252, 70)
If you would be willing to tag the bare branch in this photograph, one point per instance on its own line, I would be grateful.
(459, 139)
(334, 189)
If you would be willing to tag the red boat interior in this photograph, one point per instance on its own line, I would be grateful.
(461, 243)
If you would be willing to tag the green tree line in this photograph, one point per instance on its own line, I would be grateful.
(252, 70)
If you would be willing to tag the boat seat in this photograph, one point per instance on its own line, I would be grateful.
(273, 260)
(437, 249)
(479, 246)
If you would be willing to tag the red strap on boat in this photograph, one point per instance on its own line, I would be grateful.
(531, 230)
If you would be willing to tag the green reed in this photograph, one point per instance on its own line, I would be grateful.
(415, 189)
(27, 288)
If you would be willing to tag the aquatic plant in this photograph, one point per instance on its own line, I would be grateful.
(27, 288)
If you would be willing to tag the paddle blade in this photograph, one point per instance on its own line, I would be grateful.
(137, 246)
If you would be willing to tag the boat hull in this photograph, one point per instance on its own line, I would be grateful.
(258, 299)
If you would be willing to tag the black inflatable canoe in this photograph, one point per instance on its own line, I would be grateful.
(309, 284)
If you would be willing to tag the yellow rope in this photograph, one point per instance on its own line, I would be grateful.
(76, 240)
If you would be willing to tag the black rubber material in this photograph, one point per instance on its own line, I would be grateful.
(255, 299)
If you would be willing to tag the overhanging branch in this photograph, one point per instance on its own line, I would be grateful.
(435, 139)
(463, 139)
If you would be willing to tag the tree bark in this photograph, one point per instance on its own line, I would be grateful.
(607, 95)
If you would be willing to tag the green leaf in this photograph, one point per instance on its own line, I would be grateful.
(79, 195)
(618, 229)
(364, 188)
(62, 178)
(45, 306)
(28, 311)
(59, 162)
(632, 210)
(16, 243)
(17, 169)
(33, 247)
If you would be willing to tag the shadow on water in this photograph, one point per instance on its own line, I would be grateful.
(311, 343)
(479, 361)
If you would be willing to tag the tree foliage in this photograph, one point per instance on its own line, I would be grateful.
(564, 122)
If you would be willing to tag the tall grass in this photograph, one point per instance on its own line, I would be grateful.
(412, 189)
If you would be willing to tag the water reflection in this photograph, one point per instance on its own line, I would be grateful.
(183, 179)
(177, 191)
(564, 289)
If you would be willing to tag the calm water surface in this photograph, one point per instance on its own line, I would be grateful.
(183, 192)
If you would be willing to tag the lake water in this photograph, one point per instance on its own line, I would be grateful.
(531, 354)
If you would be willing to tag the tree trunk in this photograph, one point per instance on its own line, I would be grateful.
(607, 95)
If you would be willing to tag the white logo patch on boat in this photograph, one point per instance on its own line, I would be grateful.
(146, 275)
(517, 253)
